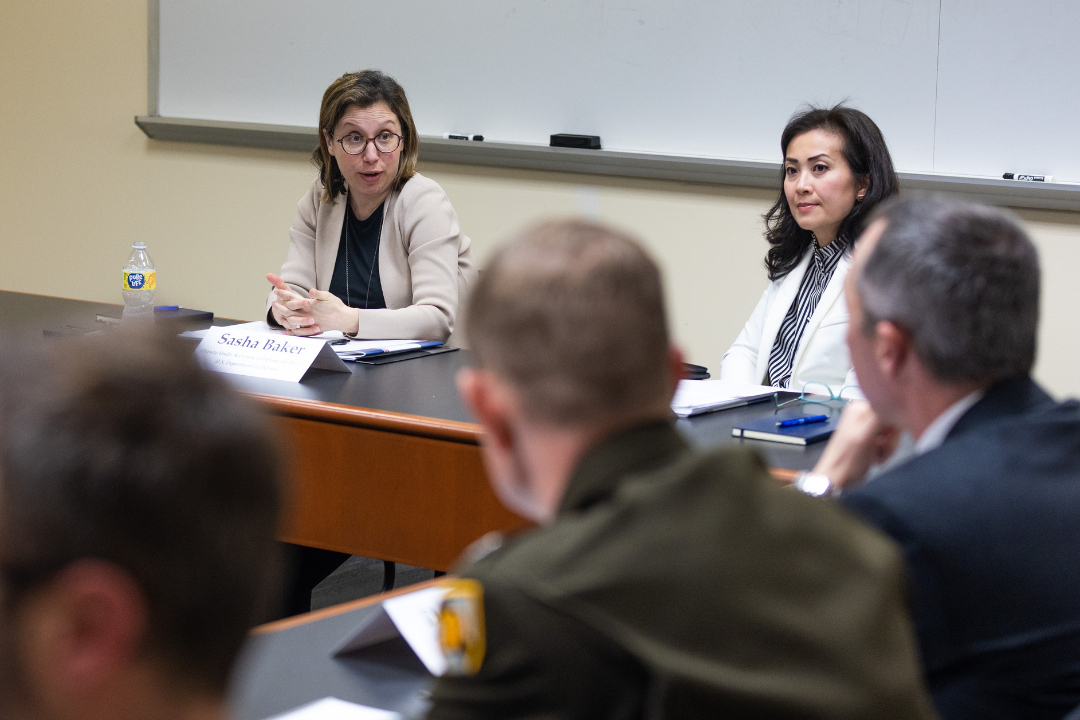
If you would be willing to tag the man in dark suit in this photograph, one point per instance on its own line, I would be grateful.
(661, 582)
(944, 310)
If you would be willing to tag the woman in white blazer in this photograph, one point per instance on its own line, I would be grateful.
(837, 168)
(375, 250)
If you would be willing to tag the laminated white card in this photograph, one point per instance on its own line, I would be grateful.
(243, 350)
(415, 617)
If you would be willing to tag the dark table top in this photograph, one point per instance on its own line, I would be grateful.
(423, 386)
(279, 671)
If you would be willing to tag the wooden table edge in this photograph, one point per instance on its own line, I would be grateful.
(783, 474)
(435, 428)
(305, 618)
(452, 430)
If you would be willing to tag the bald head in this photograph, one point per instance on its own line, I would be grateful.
(571, 314)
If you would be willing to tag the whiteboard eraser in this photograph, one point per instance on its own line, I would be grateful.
(583, 142)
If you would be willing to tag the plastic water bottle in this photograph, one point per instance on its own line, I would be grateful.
(139, 283)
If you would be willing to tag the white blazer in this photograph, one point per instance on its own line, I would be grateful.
(822, 355)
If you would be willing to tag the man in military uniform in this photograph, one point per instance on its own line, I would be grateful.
(661, 582)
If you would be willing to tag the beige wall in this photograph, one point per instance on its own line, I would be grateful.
(79, 183)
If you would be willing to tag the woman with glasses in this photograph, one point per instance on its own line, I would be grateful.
(836, 169)
(375, 250)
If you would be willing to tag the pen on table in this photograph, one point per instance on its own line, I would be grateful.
(342, 341)
(802, 421)
(166, 307)
(382, 351)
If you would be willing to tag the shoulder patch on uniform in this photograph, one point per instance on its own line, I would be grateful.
(462, 634)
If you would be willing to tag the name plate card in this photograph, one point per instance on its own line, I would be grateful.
(413, 616)
(240, 351)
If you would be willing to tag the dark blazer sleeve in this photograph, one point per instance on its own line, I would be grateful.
(540, 664)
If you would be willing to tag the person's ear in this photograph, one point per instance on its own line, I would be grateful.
(892, 348)
(862, 187)
(83, 629)
(486, 399)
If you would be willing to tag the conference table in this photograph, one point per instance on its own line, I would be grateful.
(384, 461)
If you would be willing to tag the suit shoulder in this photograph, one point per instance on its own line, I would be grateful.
(990, 473)
(419, 185)
(315, 191)
(311, 204)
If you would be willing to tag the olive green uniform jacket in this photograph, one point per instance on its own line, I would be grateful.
(675, 584)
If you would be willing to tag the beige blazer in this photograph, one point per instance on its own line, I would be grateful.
(425, 262)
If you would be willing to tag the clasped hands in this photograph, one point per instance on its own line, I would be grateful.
(861, 440)
(320, 312)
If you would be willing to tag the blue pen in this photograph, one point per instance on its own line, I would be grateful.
(802, 421)
(167, 307)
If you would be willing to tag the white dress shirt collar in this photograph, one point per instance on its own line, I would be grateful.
(936, 432)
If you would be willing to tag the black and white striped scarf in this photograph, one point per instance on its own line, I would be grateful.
(818, 274)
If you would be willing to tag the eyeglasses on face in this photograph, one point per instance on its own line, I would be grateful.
(385, 142)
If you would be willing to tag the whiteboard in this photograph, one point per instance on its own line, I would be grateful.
(1008, 99)
(959, 87)
(715, 78)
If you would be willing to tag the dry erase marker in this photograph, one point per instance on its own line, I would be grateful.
(802, 421)
(462, 136)
(1029, 178)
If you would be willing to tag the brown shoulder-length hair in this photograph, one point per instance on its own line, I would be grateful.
(363, 89)
(868, 157)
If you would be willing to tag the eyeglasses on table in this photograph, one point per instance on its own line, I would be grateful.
(818, 393)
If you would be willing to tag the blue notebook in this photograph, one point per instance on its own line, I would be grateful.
(765, 428)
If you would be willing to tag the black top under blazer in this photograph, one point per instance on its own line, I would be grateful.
(990, 526)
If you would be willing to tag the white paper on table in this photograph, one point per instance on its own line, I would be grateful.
(330, 708)
(414, 617)
(694, 397)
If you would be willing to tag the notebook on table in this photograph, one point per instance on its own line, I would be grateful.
(766, 428)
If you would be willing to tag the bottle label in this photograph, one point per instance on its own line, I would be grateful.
(140, 281)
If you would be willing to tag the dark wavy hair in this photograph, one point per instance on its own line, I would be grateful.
(867, 156)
